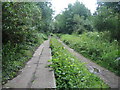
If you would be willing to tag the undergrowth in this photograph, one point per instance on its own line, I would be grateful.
(69, 71)
(97, 47)
(14, 56)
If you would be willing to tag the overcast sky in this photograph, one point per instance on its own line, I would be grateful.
(59, 5)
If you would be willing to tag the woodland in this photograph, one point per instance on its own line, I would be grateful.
(26, 25)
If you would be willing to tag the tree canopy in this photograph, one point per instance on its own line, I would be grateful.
(21, 19)
(78, 19)
(73, 17)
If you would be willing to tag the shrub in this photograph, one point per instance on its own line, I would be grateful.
(15, 56)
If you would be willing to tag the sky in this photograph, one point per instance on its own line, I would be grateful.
(59, 5)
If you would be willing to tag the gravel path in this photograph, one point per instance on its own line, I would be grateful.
(35, 74)
(108, 77)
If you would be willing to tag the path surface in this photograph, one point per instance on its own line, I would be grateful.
(36, 74)
(108, 77)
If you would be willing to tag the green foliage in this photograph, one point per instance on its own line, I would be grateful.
(46, 22)
(107, 18)
(95, 46)
(73, 19)
(82, 24)
(19, 21)
(15, 56)
(113, 5)
(69, 71)
(22, 24)
(77, 19)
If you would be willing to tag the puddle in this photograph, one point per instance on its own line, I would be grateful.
(93, 69)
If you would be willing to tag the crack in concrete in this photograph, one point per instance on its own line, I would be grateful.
(33, 77)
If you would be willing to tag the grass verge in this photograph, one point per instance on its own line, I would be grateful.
(69, 71)
(96, 47)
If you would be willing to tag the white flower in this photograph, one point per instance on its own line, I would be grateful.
(98, 35)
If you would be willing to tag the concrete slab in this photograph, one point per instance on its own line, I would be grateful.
(44, 78)
(35, 74)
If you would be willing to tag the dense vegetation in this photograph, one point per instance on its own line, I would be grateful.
(97, 35)
(24, 26)
(78, 19)
(73, 19)
(93, 45)
(69, 71)
(107, 18)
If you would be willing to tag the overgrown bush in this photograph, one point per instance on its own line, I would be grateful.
(69, 71)
(95, 46)
(21, 22)
(15, 56)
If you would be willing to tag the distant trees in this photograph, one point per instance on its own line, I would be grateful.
(77, 19)
(20, 20)
(107, 18)
(45, 25)
(73, 19)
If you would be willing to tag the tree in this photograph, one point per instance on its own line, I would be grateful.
(19, 21)
(46, 16)
(67, 21)
(107, 18)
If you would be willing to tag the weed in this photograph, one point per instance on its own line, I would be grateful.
(69, 71)
(95, 46)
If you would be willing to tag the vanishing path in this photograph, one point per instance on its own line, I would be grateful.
(108, 77)
(36, 74)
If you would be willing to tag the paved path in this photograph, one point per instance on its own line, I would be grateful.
(35, 74)
(108, 77)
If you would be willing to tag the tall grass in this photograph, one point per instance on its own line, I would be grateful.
(97, 47)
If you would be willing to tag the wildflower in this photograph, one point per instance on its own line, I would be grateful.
(98, 35)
